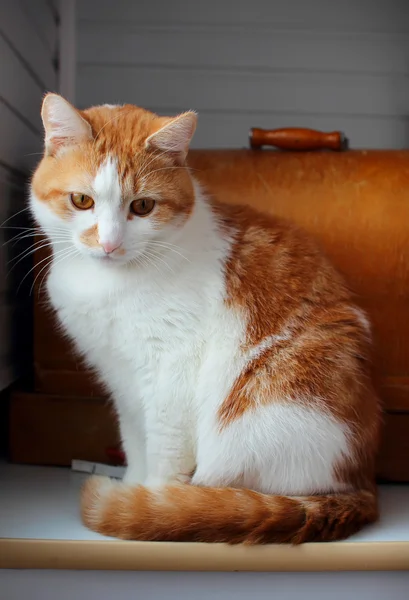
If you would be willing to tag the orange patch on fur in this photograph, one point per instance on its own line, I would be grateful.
(121, 133)
(58, 176)
(287, 291)
(168, 210)
(90, 237)
(182, 513)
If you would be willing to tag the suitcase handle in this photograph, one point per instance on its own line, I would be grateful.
(293, 138)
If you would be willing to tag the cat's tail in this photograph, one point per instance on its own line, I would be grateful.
(199, 514)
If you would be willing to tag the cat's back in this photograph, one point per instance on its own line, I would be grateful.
(276, 270)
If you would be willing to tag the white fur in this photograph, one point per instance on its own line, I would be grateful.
(107, 189)
(168, 349)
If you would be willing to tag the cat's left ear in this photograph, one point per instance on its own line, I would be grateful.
(175, 136)
(63, 124)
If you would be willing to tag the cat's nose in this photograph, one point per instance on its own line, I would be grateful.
(109, 247)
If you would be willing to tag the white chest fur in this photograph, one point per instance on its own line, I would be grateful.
(146, 332)
(123, 318)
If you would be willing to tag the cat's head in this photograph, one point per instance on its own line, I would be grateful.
(113, 179)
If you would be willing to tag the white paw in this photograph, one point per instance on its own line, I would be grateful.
(133, 477)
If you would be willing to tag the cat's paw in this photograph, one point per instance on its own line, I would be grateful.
(133, 477)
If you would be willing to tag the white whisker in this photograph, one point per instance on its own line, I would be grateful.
(37, 246)
(69, 253)
(185, 167)
(169, 247)
(156, 156)
(151, 254)
(47, 258)
(14, 215)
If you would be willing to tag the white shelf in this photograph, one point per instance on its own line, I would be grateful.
(40, 523)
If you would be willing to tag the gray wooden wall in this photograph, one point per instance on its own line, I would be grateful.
(28, 49)
(327, 64)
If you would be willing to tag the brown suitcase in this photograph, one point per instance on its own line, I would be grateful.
(357, 204)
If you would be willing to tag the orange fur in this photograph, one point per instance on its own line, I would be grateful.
(188, 513)
(142, 170)
(326, 353)
(90, 237)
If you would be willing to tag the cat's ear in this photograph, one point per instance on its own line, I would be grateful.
(63, 125)
(175, 136)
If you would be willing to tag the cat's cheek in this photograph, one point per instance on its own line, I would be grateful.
(46, 218)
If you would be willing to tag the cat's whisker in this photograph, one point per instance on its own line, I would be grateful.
(37, 247)
(170, 248)
(143, 261)
(155, 256)
(142, 169)
(25, 253)
(24, 235)
(156, 156)
(153, 244)
(61, 254)
(20, 228)
(148, 259)
(19, 261)
(71, 253)
(42, 239)
(47, 258)
(38, 274)
(14, 215)
(17, 238)
(185, 167)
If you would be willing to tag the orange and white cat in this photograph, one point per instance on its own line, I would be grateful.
(235, 357)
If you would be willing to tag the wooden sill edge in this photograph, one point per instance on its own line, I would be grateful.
(169, 556)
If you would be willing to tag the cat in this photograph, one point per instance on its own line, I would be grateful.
(238, 363)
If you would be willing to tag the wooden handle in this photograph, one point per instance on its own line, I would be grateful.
(292, 138)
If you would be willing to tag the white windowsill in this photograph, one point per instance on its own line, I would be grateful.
(40, 527)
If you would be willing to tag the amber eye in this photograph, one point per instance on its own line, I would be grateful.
(142, 207)
(82, 201)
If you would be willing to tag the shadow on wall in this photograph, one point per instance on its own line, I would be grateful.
(16, 273)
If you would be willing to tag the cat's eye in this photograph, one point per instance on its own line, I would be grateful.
(142, 207)
(82, 201)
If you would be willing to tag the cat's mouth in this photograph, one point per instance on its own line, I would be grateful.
(109, 258)
(106, 258)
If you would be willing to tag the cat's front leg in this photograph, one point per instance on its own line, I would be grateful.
(169, 449)
(133, 444)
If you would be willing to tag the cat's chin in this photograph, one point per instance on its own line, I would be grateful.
(107, 259)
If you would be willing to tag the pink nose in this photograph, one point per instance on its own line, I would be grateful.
(109, 247)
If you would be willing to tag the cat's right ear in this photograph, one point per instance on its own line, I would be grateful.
(175, 135)
(63, 125)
